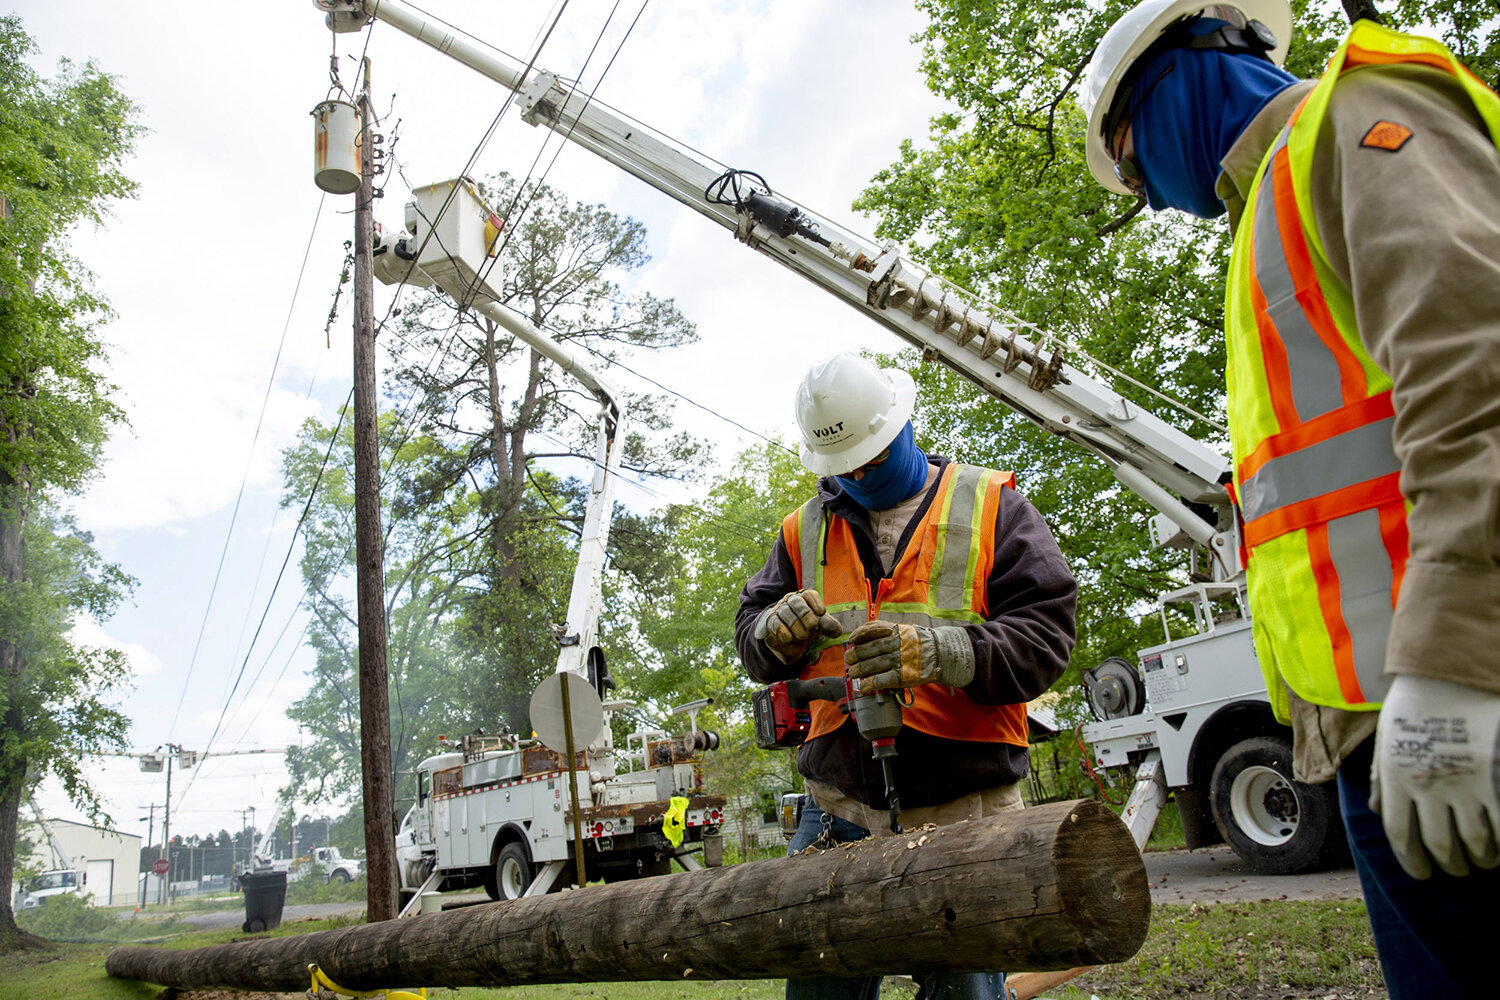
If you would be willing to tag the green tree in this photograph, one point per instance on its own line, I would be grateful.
(683, 625)
(57, 707)
(998, 199)
(561, 265)
(434, 555)
(62, 143)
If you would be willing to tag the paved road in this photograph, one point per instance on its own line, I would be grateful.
(299, 911)
(1216, 874)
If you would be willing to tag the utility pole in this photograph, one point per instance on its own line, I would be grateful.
(374, 707)
(166, 826)
(150, 826)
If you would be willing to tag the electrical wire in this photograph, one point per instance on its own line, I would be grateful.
(509, 101)
(546, 140)
(291, 547)
(296, 648)
(245, 477)
(704, 407)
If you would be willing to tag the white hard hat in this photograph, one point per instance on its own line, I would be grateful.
(1137, 31)
(849, 410)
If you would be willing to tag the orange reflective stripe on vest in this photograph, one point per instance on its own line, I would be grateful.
(940, 579)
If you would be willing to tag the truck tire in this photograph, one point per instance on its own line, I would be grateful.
(513, 873)
(1276, 824)
(339, 876)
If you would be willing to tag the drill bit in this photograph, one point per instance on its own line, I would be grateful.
(890, 794)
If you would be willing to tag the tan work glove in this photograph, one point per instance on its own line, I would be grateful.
(789, 626)
(886, 655)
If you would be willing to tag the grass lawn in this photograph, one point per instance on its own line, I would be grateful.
(1227, 951)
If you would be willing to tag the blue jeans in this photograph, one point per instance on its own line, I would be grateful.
(939, 986)
(1435, 936)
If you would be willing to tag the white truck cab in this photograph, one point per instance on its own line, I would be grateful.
(48, 884)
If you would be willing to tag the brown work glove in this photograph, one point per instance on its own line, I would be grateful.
(789, 626)
(887, 655)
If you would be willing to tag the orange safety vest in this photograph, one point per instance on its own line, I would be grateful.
(1310, 413)
(940, 579)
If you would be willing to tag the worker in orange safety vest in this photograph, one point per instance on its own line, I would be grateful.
(916, 574)
(1362, 324)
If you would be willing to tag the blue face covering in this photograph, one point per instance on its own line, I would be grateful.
(1192, 105)
(885, 485)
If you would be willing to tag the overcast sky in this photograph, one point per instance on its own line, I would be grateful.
(202, 268)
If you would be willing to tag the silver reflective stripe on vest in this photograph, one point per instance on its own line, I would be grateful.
(952, 581)
(1311, 367)
(1341, 461)
(1365, 580)
(810, 544)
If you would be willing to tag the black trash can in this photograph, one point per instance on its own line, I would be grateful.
(265, 895)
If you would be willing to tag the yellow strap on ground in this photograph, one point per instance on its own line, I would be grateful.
(322, 982)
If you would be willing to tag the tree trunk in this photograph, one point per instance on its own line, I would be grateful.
(1053, 887)
(13, 501)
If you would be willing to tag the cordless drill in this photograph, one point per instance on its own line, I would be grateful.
(783, 718)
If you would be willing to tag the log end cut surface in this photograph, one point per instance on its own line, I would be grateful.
(1101, 881)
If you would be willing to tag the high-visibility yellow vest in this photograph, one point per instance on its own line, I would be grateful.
(940, 579)
(1310, 414)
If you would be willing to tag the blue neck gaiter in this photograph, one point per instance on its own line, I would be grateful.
(898, 477)
(1191, 105)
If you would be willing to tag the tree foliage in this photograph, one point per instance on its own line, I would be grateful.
(685, 623)
(63, 141)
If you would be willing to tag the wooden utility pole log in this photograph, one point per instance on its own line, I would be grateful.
(369, 551)
(1052, 887)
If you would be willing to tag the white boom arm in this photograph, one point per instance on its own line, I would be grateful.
(256, 858)
(448, 249)
(60, 856)
(1155, 460)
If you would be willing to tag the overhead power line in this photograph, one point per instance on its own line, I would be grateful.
(245, 477)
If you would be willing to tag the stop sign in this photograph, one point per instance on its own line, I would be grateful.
(160, 866)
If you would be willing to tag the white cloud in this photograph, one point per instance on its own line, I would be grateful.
(87, 632)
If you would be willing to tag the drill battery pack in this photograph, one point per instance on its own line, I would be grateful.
(778, 725)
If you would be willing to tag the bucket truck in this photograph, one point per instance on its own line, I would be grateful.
(1194, 718)
(62, 878)
(517, 816)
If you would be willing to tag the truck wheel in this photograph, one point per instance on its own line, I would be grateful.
(513, 873)
(339, 876)
(1276, 824)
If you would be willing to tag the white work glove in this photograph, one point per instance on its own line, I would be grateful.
(789, 626)
(1433, 781)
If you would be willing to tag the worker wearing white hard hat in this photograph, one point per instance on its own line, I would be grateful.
(849, 411)
(910, 572)
(1362, 355)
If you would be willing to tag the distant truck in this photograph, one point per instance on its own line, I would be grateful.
(497, 813)
(58, 882)
(333, 866)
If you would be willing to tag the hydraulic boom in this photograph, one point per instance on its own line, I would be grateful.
(1158, 462)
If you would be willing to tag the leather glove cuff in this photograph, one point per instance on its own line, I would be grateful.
(952, 657)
